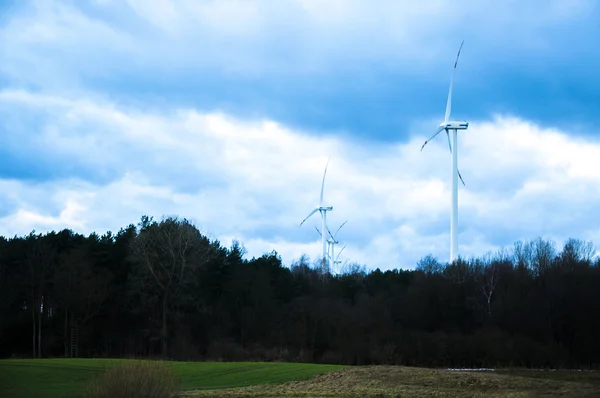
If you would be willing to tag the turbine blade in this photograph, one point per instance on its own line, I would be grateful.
(309, 214)
(330, 234)
(450, 146)
(439, 130)
(340, 252)
(318, 231)
(459, 176)
(323, 183)
(449, 101)
(338, 230)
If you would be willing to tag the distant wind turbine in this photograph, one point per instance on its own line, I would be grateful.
(334, 242)
(453, 127)
(331, 244)
(328, 243)
(336, 261)
(323, 210)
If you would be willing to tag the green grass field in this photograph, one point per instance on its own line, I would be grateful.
(64, 378)
(400, 381)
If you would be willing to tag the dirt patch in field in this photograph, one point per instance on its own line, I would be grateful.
(396, 381)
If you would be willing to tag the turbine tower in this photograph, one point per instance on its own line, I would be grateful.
(453, 127)
(323, 210)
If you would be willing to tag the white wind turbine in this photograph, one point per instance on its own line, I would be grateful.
(323, 210)
(451, 126)
(331, 244)
(328, 243)
(334, 242)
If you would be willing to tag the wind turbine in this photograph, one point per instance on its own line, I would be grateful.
(452, 126)
(323, 210)
(338, 256)
(331, 244)
(335, 242)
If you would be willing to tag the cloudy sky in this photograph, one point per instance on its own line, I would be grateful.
(225, 112)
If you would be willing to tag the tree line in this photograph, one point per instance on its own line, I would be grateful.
(163, 289)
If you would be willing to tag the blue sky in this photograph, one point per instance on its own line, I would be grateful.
(226, 112)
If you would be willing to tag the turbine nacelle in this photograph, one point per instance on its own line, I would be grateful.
(454, 125)
(320, 209)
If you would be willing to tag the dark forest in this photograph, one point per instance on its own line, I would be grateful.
(162, 289)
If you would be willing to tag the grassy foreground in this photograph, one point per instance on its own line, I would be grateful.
(53, 378)
(392, 381)
(65, 378)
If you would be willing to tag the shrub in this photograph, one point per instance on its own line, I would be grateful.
(135, 379)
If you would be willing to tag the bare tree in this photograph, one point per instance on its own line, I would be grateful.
(577, 251)
(301, 266)
(544, 253)
(503, 256)
(487, 275)
(536, 255)
(430, 265)
(355, 270)
(167, 253)
(523, 256)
